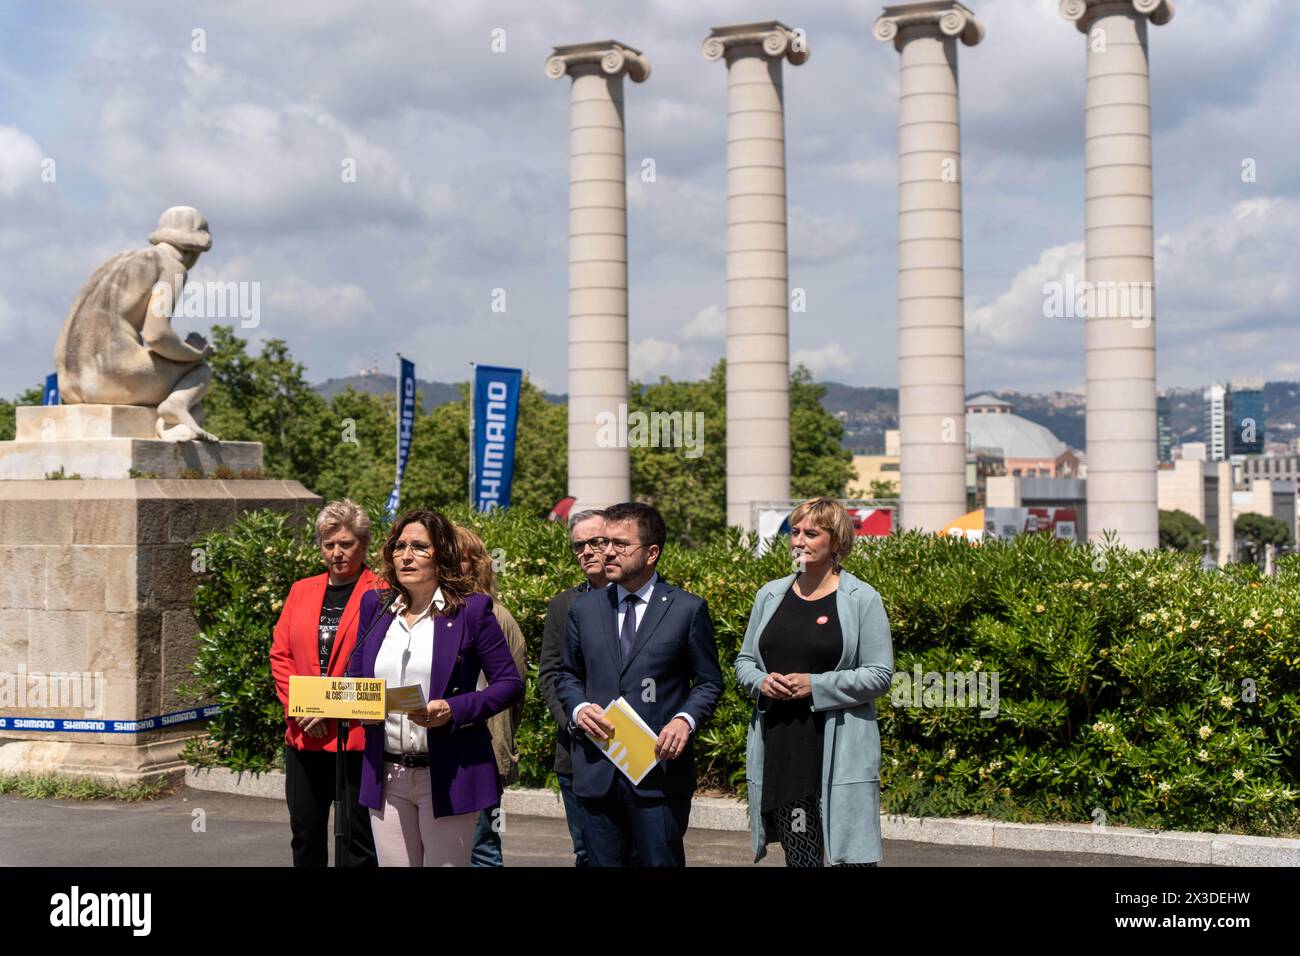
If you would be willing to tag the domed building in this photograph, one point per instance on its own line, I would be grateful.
(1027, 448)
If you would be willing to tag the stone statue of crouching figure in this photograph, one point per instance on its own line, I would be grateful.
(117, 345)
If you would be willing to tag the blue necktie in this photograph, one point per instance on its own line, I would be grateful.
(627, 635)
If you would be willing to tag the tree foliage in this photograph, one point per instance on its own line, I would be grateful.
(691, 490)
(1180, 531)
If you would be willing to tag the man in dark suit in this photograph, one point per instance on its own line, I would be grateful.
(585, 533)
(651, 643)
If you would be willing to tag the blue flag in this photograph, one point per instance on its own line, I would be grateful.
(405, 425)
(496, 416)
(51, 389)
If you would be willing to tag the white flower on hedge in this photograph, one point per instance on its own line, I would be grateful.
(1226, 702)
(1196, 624)
(1205, 732)
(1277, 612)
(1202, 755)
(950, 754)
(1164, 787)
(1039, 608)
(1238, 775)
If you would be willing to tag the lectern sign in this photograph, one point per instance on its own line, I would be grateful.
(348, 698)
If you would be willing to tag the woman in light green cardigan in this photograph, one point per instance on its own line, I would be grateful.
(813, 740)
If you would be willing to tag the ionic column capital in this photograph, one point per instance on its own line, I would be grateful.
(607, 56)
(953, 19)
(1083, 12)
(769, 38)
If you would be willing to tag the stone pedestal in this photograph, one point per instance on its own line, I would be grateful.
(115, 441)
(96, 582)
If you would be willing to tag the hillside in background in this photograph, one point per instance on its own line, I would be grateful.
(1281, 412)
(432, 394)
(866, 411)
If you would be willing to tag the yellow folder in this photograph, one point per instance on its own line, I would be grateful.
(631, 747)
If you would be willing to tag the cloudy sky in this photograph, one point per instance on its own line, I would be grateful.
(461, 187)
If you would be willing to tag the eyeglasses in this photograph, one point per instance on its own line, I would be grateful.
(616, 545)
(419, 550)
(582, 545)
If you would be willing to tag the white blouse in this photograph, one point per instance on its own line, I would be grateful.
(405, 657)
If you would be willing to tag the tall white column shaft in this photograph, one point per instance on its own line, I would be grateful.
(758, 303)
(1120, 335)
(931, 305)
(599, 471)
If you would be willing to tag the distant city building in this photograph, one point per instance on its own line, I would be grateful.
(1192, 451)
(1246, 412)
(878, 467)
(1164, 430)
(1026, 448)
(1275, 467)
(981, 465)
(871, 468)
(1217, 418)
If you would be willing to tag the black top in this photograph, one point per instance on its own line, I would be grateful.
(336, 599)
(803, 637)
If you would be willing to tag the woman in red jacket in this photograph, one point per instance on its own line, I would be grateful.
(314, 637)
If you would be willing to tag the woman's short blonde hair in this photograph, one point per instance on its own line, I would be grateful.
(482, 576)
(831, 516)
(343, 514)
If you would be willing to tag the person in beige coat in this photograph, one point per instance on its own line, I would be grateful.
(477, 565)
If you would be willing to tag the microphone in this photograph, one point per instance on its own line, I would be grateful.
(387, 598)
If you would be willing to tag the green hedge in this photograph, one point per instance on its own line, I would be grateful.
(1125, 689)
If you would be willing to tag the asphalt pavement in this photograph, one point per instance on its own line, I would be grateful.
(202, 828)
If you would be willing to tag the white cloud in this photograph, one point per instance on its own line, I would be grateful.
(1016, 316)
(829, 359)
(709, 324)
(463, 178)
(20, 162)
(651, 358)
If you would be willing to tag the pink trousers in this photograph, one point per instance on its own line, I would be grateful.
(406, 832)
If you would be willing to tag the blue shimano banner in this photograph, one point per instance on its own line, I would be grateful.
(99, 725)
(51, 396)
(496, 417)
(405, 425)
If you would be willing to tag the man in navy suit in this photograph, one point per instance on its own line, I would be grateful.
(644, 640)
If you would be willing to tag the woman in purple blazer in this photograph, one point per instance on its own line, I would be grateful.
(427, 774)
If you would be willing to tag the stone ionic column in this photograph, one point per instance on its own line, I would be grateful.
(758, 302)
(598, 375)
(931, 319)
(1120, 333)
